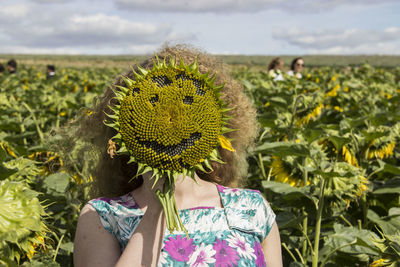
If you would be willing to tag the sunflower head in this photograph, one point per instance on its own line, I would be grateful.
(170, 119)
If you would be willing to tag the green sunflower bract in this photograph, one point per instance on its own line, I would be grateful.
(170, 120)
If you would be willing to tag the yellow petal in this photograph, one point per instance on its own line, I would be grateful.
(225, 143)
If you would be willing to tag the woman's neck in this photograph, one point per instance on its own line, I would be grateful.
(187, 185)
(195, 192)
(189, 193)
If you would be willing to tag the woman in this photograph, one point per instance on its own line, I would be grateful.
(221, 226)
(296, 67)
(275, 69)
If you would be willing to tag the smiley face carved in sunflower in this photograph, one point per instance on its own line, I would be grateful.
(170, 119)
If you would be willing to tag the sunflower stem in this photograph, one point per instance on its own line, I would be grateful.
(176, 213)
(262, 166)
(22, 127)
(305, 220)
(364, 208)
(305, 224)
(288, 250)
(39, 131)
(58, 247)
(167, 200)
(318, 223)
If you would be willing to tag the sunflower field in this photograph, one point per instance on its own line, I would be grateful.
(327, 159)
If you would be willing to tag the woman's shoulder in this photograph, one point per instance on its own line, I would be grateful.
(115, 208)
(240, 194)
(125, 201)
(247, 210)
(118, 215)
(244, 199)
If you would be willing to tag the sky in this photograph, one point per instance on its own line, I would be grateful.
(250, 27)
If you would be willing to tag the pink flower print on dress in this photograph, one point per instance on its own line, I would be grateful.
(225, 256)
(260, 260)
(180, 248)
(202, 256)
(239, 243)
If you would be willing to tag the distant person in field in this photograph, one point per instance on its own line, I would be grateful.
(275, 69)
(51, 71)
(296, 67)
(2, 69)
(12, 66)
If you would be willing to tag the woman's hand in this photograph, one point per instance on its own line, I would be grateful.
(145, 243)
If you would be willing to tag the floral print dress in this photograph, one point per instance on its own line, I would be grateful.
(226, 237)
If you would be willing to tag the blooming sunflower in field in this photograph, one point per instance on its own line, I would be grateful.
(382, 150)
(283, 173)
(171, 121)
(310, 115)
(349, 157)
(333, 92)
(51, 161)
(7, 149)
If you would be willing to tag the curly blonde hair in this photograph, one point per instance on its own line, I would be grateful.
(113, 176)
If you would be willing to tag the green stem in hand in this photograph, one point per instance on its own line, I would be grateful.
(167, 200)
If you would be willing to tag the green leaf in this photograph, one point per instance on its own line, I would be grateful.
(388, 167)
(288, 220)
(6, 172)
(345, 235)
(3, 155)
(283, 149)
(333, 174)
(278, 100)
(68, 246)
(389, 225)
(391, 186)
(267, 119)
(338, 141)
(369, 136)
(312, 134)
(57, 182)
(296, 196)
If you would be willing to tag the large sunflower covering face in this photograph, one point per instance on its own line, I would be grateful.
(170, 120)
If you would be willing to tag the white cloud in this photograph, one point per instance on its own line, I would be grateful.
(61, 32)
(141, 49)
(238, 6)
(51, 1)
(17, 49)
(12, 12)
(101, 29)
(377, 49)
(347, 41)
